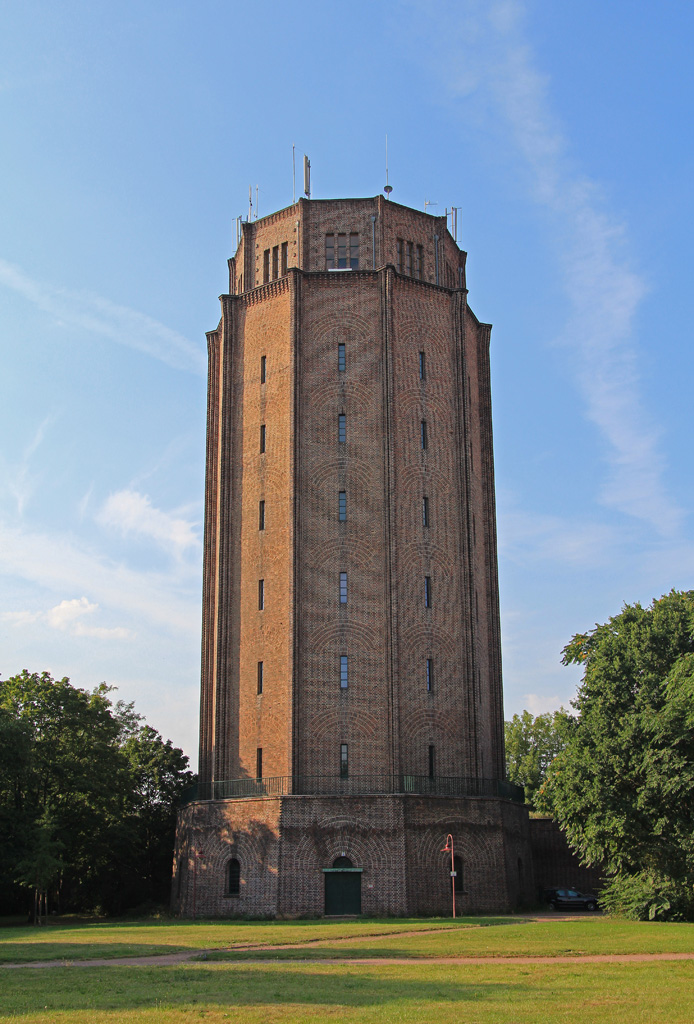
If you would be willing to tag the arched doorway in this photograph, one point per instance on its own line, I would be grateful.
(342, 888)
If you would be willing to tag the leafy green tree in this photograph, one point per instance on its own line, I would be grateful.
(623, 787)
(87, 796)
(532, 743)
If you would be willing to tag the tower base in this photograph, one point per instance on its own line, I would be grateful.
(310, 856)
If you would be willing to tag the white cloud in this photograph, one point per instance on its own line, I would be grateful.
(528, 538)
(101, 316)
(20, 481)
(58, 563)
(67, 612)
(129, 511)
(491, 65)
(67, 617)
(20, 618)
(540, 703)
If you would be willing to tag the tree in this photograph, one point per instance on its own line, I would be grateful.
(532, 743)
(623, 787)
(87, 796)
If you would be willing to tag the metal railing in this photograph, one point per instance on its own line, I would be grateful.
(355, 785)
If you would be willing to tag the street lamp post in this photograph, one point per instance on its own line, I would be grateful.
(448, 848)
(196, 855)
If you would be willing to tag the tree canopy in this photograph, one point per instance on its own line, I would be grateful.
(88, 797)
(623, 787)
(532, 743)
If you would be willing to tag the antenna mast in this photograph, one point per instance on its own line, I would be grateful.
(293, 173)
(307, 177)
(387, 188)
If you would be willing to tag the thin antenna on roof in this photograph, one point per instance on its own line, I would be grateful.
(387, 188)
(293, 173)
(454, 222)
(429, 202)
(250, 202)
(307, 177)
(256, 202)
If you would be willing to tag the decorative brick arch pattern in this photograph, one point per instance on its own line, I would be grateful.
(248, 831)
(365, 733)
(480, 845)
(413, 481)
(347, 552)
(422, 640)
(362, 726)
(332, 635)
(423, 727)
(333, 396)
(326, 329)
(359, 475)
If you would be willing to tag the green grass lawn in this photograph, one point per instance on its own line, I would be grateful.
(474, 936)
(417, 993)
(508, 937)
(81, 940)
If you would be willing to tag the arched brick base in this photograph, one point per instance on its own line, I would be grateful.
(283, 844)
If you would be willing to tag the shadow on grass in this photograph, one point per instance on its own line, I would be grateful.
(37, 952)
(24, 950)
(132, 988)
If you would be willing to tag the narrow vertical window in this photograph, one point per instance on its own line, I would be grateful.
(342, 252)
(430, 674)
(408, 259)
(262, 438)
(260, 677)
(343, 588)
(420, 262)
(425, 511)
(427, 591)
(432, 764)
(422, 366)
(233, 877)
(342, 506)
(341, 358)
(275, 262)
(263, 369)
(354, 251)
(424, 435)
(266, 266)
(344, 761)
(329, 252)
(261, 595)
(344, 672)
(401, 257)
(342, 428)
(284, 258)
(259, 763)
(261, 514)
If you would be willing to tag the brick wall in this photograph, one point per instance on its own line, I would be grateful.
(284, 843)
(555, 863)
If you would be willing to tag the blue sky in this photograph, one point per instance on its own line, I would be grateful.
(130, 137)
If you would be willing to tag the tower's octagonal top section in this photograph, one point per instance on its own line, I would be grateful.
(346, 235)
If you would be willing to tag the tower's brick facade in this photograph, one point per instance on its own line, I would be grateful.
(351, 674)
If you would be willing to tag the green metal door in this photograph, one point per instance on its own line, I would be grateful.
(342, 892)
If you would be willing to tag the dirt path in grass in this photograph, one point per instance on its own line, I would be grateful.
(171, 959)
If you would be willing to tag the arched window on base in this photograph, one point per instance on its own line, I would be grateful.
(233, 879)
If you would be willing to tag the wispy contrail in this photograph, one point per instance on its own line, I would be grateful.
(101, 316)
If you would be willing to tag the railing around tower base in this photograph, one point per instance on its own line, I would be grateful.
(354, 785)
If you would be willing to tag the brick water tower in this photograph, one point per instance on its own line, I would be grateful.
(351, 708)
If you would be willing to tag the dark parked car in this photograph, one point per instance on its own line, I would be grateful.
(570, 899)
